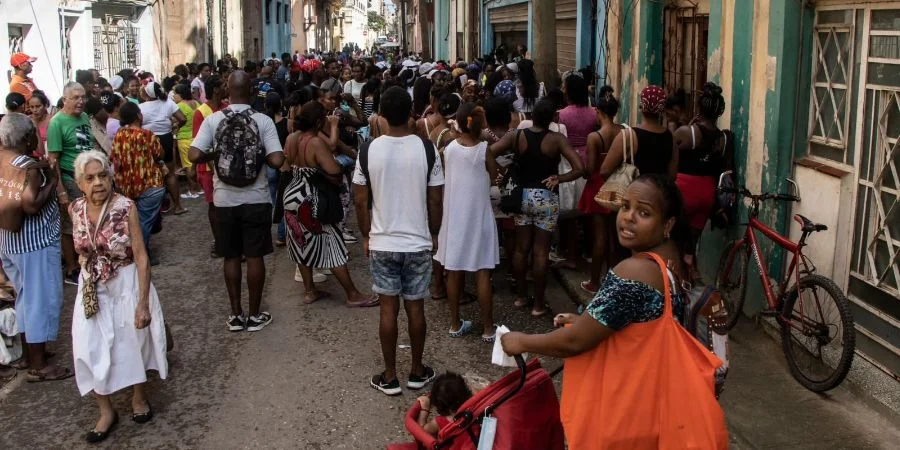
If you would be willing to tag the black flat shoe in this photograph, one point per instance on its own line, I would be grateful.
(143, 417)
(94, 436)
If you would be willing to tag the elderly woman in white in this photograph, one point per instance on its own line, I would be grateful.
(117, 327)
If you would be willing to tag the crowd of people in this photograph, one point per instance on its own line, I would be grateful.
(449, 167)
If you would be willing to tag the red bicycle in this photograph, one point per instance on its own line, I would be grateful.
(817, 333)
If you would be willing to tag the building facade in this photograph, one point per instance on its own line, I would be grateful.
(812, 94)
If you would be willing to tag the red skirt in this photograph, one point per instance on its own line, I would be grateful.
(699, 193)
(586, 203)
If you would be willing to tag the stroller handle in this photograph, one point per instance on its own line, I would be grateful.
(523, 372)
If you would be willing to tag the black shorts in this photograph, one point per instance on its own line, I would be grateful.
(244, 230)
(168, 144)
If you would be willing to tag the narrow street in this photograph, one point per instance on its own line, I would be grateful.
(302, 382)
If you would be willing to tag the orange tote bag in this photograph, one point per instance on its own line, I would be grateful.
(648, 386)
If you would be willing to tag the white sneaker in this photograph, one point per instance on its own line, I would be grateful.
(317, 276)
(349, 238)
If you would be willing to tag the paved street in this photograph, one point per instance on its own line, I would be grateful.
(302, 382)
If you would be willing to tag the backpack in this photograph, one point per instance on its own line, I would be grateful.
(363, 161)
(241, 154)
(707, 321)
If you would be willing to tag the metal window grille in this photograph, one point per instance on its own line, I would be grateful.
(829, 93)
(685, 45)
(16, 37)
(116, 47)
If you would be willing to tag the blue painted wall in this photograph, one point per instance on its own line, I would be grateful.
(276, 31)
(441, 29)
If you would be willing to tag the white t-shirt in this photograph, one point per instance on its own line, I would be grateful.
(197, 83)
(354, 88)
(226, 195)
(158, 115)
(397, 168)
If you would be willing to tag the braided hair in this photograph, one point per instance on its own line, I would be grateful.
(711, 102)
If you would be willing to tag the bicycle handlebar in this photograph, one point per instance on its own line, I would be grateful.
(762, 197)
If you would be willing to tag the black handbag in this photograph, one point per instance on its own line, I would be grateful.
(327, 207)
(512, 202)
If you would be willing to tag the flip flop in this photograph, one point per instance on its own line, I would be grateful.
(374, 301)
(36, 376)
(524, 303)
(180, 212)
(317, 295)
(19, 364)
(542, 313)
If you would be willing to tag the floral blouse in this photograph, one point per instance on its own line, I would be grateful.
(620, 302)
(133, 155)
(112, 247)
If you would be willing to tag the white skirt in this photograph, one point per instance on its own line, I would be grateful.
(110, 353)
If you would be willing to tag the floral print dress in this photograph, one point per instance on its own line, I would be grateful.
(109, 352)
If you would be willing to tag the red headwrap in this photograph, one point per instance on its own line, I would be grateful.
(653, 100)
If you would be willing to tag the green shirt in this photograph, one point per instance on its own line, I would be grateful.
(68, 136)
(186, 132)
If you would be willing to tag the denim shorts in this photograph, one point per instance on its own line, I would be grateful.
(401, 274)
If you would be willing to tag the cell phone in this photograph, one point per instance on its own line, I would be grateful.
(345, 107)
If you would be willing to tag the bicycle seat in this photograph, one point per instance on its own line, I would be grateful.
(807, 225)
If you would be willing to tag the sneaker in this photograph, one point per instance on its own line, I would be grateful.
(72, 277)
(388, 388)
(418, 382)
(236, 323)
(349, 238)
(318, 277)
(554, 257)
(259, 321)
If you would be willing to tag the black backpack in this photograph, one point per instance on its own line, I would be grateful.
(241, 154)
(363, 161)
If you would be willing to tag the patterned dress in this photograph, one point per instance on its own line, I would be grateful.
(323, 250)
(109, 352)
(620, 302)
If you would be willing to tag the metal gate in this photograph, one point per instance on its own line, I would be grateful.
(855, 124)
(685, 42)
(116, 47)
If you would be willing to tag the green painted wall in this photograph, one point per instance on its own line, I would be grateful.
(627, 98)
(650, 55)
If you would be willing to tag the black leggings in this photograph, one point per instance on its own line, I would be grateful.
(168, 144)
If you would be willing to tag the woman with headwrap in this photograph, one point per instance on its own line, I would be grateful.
(705, 152)
(651, 143)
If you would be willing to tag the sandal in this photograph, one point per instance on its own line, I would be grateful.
(519, 303)
(541, 313)
(488, 339)
(589, 287)
(465, 326)
(373, 301)
(19, 364)
(315, 296)
(37, 376)
(180, 212)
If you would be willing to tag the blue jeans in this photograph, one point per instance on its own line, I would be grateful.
(272, 175)
(148, 205)
(407, 275)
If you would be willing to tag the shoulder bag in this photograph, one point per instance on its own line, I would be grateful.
(612, 192)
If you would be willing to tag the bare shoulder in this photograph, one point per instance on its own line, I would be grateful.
(642, 269)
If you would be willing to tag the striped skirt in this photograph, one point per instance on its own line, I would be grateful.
(323, 250)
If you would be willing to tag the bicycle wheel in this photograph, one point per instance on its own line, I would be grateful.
(733, 284)
(819, 340)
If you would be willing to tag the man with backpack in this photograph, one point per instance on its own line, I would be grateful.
(241, 141)
(404, 178)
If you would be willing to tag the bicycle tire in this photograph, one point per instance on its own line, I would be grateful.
(734, 291)
(834, 374)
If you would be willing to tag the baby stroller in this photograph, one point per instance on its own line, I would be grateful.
(524, 404)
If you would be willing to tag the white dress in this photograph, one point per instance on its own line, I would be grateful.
(468, 238)
(110, 353)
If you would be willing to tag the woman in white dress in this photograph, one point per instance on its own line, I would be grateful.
(118, 332)
(468, 239)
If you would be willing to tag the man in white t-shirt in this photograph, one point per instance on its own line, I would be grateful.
(405, 178)
(198, 90)
(243, 214)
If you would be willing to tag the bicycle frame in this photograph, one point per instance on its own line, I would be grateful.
(794, 269)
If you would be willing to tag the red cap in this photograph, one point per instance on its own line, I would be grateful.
(17, 59)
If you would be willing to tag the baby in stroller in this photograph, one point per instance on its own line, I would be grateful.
(448, 394)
